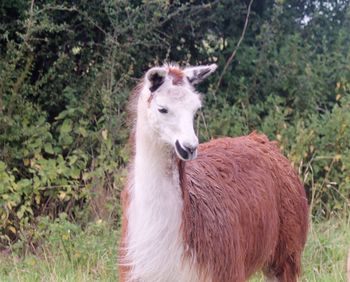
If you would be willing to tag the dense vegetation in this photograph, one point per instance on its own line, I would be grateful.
(66, 72)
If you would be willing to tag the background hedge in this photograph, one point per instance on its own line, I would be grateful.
(66, 71)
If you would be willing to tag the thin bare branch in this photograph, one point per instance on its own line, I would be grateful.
(189, 9)
(233, 54)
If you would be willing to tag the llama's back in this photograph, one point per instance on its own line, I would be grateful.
(244, 205)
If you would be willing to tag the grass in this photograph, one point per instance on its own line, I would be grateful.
(325, 255)
(72, 254)
(326, 252)
(67, 254)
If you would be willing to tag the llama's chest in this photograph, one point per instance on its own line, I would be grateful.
(154, 242)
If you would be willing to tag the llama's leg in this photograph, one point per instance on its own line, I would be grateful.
(270, 275)
(285, 268)
(290, 271)
(286, 262)
(271, 279)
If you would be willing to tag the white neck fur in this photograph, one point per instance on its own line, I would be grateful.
(155, 247)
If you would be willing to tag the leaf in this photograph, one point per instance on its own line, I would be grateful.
(82, 131)
(37, 199)
(48, 148)
(87, 176)
(337, 157)
(12, 229)
(75, 173)
(67, 140)
(66, 127)
(72, 159)
(21, 211)
(62, 195)
(2, 166)
(104, 134)
(24, 183)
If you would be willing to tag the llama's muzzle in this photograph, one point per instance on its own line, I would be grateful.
(186, 151)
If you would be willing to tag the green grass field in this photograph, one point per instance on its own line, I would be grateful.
(71, 254)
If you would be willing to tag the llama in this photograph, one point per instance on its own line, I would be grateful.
(218, 211)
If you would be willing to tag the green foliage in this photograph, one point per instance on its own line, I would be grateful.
(59, 129)
(67, 69)
(66, 252)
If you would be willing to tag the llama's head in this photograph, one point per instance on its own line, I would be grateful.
(172, 103)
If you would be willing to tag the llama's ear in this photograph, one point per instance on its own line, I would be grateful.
(196, 74)
(155, 77)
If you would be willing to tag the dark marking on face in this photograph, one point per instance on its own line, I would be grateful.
(156, 81)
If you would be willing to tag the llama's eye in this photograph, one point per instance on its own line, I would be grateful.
(163, 110)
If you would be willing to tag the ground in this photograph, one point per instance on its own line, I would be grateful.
(71, 254)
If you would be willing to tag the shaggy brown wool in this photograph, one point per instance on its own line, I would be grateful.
(245, 209)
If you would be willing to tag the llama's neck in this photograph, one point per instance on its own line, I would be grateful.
(155, 210)
(155, 167)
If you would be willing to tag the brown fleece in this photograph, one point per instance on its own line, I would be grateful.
(177, 75)
(245, 209)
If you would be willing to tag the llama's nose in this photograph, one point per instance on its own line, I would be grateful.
(187, 150)
(191, 148)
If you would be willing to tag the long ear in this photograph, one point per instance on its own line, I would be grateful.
(196, 74)
(155, 77)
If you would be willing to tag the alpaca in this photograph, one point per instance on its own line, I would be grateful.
(218, 211)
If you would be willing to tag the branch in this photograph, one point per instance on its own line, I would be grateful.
(62, 7)
(29, 25)
(191, 9)
(230, 59)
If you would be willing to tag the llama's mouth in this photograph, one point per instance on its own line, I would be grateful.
(185, 153)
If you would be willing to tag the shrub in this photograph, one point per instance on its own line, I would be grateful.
(67, 70)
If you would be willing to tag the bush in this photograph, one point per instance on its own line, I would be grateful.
(67, 70)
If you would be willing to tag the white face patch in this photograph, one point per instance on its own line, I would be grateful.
(171, 114)
(171, 105)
